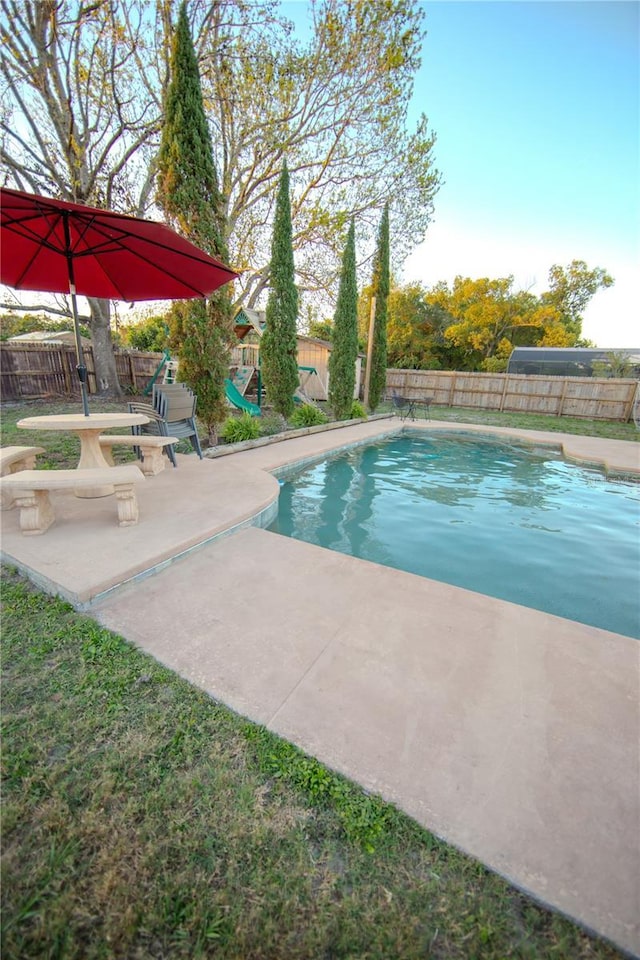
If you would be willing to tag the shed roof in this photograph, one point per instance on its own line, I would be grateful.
(571, 353)
(47, 336)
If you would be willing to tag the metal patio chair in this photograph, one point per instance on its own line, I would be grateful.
(157, 427)
(177, 407)
(401, 405)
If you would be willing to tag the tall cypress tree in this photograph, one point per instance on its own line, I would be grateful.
(342, 362)
(278, 347)
(380, 290)
(189, 194)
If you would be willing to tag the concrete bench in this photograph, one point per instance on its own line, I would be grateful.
(150, 447)
(13, 459)
(31, 489)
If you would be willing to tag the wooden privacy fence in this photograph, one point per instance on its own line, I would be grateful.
(39, 370)
(33, 371)
(589, 397)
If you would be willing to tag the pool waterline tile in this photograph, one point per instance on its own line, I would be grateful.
(491, 514)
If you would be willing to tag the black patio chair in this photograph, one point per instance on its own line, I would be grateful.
(401, 405)
(407, 408)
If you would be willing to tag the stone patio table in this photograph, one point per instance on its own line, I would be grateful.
(88, 429)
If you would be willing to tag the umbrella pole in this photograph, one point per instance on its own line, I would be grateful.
(80, 367)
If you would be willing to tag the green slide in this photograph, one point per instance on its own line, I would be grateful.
(235, 397)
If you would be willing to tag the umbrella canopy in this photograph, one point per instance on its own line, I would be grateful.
(114, 257)
(60, 247)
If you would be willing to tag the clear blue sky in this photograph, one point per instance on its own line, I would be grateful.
(536, 110)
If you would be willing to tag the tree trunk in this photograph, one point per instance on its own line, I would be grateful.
(107, 381)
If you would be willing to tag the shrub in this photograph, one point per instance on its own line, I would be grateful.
(307, 416)
(272, 423)
(244, 427)
(358, 411)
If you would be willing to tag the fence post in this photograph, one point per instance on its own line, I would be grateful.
(89, 362)
(65, 370)
(633, 389)
(504, 391)
(562, 398)
(452, 389)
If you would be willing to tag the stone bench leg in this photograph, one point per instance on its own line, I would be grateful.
(153, 460)
(127, 504)
(107, 450)
(8, 500)
(36, 512)
(151, 464)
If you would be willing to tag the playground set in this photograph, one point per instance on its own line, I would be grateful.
(236, 386)
(243, 376)
(243, 387)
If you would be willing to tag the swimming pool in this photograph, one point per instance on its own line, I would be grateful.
(509, 520)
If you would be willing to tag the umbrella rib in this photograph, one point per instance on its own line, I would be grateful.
(101, 235)
(169, 273)
(116, 243)
(121, 245)
(28, 233)
(156, 244)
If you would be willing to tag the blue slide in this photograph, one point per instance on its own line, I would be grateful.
(235, 397)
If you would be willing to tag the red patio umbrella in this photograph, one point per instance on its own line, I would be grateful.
(60, 247)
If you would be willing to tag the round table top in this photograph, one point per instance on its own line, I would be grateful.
(78, 421)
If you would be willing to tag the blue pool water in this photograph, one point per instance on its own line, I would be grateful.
(511, 521)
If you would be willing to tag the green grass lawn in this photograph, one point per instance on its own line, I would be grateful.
(63, 449)
(142, 819)
(534, 421)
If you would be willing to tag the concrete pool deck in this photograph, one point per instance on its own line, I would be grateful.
(508, 732)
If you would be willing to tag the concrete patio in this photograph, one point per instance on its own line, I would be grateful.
(511, 733)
